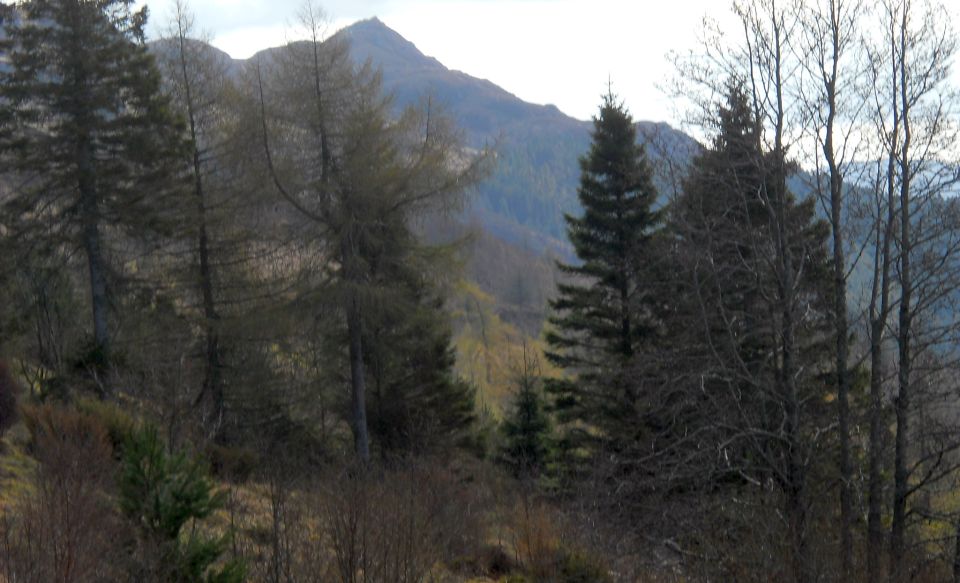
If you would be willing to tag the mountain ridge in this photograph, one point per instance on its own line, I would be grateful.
(537, 146)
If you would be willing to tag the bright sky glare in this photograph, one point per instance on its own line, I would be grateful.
(544, 51)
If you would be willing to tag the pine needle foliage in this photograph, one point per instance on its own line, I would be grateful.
(162, 494)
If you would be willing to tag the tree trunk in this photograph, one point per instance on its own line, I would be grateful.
(956, 554)
(840, 323)
(902, 408)
(212, 377)
(878, 324)
(796, 471)
(900, 471)
(843, 386)
(787, 284)
(876, 444)
(211, 394)
(361, 437)
(90, 209)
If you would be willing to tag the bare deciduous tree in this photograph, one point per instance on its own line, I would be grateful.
(831, 102)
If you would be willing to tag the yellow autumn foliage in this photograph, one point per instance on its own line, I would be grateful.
(490, 350)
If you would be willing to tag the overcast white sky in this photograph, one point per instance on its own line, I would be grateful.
(544, 51)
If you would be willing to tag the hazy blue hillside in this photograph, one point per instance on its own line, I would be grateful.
(537, 145)
(483, 109)
(168, 47)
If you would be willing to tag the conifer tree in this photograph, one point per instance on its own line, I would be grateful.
(217, 272)
(727, 245)
(87, 132)
(721, 215)
(604, 312)
(526, 428)
(163, 495)
(361, 175)
(417, 402)
(756, 289)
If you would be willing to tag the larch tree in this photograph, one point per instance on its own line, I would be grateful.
(361, 174)
(216, 238)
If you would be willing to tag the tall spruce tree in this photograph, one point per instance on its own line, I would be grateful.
(87, 132)
(721, 215)
(754, 333)
(604, 311)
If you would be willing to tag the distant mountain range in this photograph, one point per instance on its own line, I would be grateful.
(535, 178)
(537, 146)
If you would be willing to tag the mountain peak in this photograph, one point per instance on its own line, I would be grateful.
(373, 21)
(386, 47)
(536, 182)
